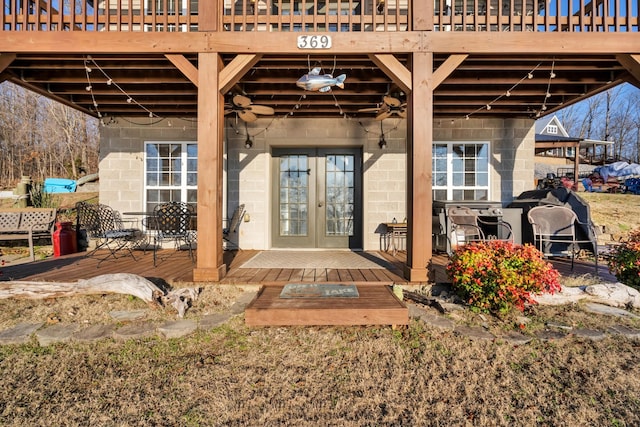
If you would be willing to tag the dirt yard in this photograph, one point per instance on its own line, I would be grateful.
(356, 376)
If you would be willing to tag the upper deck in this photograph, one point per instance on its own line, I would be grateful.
(321, 15)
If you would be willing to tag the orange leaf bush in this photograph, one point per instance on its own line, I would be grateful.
(495, 276)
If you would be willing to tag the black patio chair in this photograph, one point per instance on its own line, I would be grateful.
(172, 221)
(104, 224)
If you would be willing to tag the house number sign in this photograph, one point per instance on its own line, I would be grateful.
(314, 42)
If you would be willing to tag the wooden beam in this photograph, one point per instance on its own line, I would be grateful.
(210, 265)
(631, 63)
(259, 42)
(46, 94)
(447, 67)
(233, 72)
(394, 70)
(185, 66)
(5, 60)
(419, 181)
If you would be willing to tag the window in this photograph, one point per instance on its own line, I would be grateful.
(171, 173)
(461, 171)
(552, 129)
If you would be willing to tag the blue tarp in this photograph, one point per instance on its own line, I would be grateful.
(618, 169)
(59, 185)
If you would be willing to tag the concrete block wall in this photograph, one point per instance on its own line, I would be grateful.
(122, 156)
(512, 144)
(247, 171)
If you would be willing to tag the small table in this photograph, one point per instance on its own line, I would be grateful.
(396, 231)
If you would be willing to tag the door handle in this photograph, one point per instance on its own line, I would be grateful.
(320, 204)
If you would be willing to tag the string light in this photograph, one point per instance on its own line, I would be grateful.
(111, 82)
(506, 94)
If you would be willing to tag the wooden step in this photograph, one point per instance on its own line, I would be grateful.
(376, 305)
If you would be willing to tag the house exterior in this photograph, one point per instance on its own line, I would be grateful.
(328, 168)
(554, 147)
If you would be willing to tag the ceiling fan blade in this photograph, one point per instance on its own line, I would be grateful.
(247, 116)
(383, 115)
(228, 110)
(402, 113)
(391, 101)
(261, 109)
(241, 101)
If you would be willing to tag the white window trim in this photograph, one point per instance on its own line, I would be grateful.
(552, 129)
(450, 187)
(183, 167)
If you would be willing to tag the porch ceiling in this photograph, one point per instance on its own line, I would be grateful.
(152, 81)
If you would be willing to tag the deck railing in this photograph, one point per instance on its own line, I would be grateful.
(321, 15)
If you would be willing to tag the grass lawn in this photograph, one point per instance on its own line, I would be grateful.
(319, 376)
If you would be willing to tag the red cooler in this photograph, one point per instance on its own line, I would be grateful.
(64, 239)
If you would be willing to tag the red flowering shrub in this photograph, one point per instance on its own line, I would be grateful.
(624, 262)
(495, 276)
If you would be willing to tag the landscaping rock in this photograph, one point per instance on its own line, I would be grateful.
(211, 321)
(614, 294)
(128, 315)
(242, 302)
(94, 333)
(474, 333)
(19, 334)
(55, 333)
(437, 321)
(596, 308)
(592, 334)
(516, 338)
(177, 329)
(625, 331)
(135, 331)
(550, 335)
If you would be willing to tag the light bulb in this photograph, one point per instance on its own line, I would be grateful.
(109, 82)
(488, 107)
(88, 88)
(508, 94)
(150, 114)
(530, 76)
(129, 100)
(552, 75)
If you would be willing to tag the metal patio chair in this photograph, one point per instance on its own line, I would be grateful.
(172, 221)
(555, 233)
(104, 224)
(232, 225)
(466, 226)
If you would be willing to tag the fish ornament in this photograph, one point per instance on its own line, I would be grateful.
(316, 82)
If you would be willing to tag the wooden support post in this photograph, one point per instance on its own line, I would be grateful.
(419, 143)
(210, 265)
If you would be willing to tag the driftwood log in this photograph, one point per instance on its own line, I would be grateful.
(119, 283)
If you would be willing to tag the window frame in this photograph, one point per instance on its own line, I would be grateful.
(449, 187)
(184, 187)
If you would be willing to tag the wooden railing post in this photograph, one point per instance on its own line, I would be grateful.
(209, 14)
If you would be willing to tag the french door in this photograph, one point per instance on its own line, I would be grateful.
(317, 198)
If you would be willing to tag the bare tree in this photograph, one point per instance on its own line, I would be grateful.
(42, 138)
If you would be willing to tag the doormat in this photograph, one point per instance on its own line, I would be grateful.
(312, 290)
(317, 259)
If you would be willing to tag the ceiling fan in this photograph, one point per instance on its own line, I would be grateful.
(390, 105)
(247, 111)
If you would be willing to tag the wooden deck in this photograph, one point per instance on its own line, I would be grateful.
(176, 267)
(376, 304)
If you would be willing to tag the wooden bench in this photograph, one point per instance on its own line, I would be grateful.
(27, 224)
